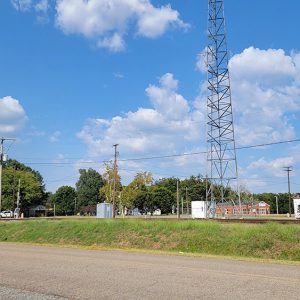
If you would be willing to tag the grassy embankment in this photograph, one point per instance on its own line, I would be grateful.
(267, 241)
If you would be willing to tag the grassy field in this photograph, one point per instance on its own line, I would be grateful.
(267, 241)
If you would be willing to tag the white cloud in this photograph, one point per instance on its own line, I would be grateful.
(166, 128)
(12, 115)
(265, 94)
(263, 66)
(154, 22)
(201, 64)
(165, 99)
(274, 166)
(107, 21)
(42, 6)
(55, 136)
(118, 75)
(22, 5)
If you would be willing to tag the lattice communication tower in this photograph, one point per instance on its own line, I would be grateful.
(221, 157)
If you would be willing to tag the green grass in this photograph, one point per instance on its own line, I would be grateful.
(265, 241)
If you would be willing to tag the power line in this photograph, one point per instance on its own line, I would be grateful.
(163, 156)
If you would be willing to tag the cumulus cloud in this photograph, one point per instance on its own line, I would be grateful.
(107, 21)
(165, 128)
(265, 94)
(12, 115)
(273, 166)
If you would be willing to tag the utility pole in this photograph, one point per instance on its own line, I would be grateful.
(19, 194)
(2, 159)
(288, 170)
(14, 188)
(186, 199)
(115, 180)
(177, 196)
(276, 197)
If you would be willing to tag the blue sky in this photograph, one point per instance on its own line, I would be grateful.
(71, 87)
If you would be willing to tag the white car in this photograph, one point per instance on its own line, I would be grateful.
(6, 214)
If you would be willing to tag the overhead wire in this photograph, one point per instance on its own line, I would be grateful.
(162, 156)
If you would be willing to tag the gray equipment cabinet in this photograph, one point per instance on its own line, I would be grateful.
(104, 211)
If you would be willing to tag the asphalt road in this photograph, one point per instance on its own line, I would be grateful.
(28, 272)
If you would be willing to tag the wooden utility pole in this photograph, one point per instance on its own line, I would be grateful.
(186, 199)
(14, 188)
(115, 180)
(288, 170)
(19, 194)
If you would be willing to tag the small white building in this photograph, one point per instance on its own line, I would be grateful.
(203, 209)
(297, 208)
(199, 209)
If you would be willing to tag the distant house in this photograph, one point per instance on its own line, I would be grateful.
(37, 211)
(261, 208)
(89, 210)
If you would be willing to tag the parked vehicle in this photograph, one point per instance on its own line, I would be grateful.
(6, 214)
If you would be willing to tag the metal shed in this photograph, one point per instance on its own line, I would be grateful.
(104, 211)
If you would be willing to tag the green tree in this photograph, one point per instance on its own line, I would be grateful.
(163, 199)
(31, 186)
(144, 201)
(107, 190)
(168, 183)
(88, 186)
(139, 185)
(64, 200)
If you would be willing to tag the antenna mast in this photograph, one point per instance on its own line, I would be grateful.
(221, 157)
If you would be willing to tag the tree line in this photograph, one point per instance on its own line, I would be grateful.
(143, 192)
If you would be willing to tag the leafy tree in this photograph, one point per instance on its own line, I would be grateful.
(140, 185)
(88, 186)
(14, 164)
(163, 199)
(168, 183)
(144, 201)
(64, 200)
(106, 191)
(31, 186)
(142, 180)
